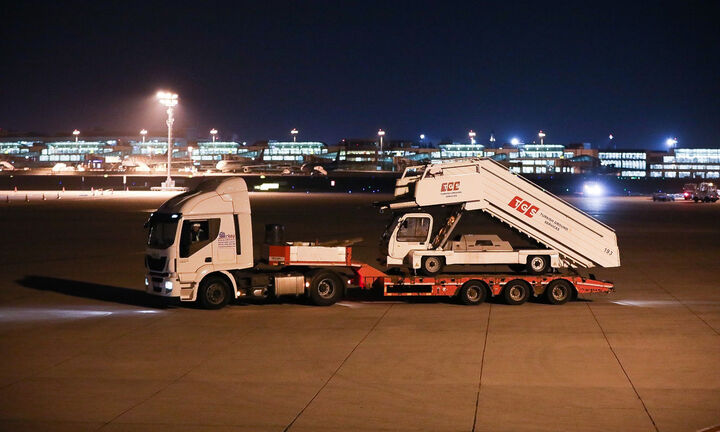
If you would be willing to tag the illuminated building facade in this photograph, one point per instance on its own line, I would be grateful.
(290, 151)
(688, 163)
(628, 163)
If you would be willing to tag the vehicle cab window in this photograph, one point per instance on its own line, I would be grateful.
(196, 234)
(413, 229)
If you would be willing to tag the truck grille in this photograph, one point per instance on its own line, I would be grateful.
(155, 264)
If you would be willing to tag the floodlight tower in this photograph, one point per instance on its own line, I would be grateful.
(472, 136)
(541, 135)
(143, 133)
(381, 134)
(170, 100)
(294, 133)
(76, 133)
(214, 133)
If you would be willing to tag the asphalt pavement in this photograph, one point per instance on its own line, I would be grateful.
(83, 348)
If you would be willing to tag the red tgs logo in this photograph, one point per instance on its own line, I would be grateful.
(450, 187)
(523, 206)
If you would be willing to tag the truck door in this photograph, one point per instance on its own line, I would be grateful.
(411, 233)
(197, 245)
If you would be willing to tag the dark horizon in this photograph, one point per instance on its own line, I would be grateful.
(578, 72)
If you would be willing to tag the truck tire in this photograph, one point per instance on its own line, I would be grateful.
(558, 291)
(214, 292)
(538, 264)
(326, 288)
(432, 265)
(473, 292)
(517, 268)
(516, 292)
(696, 199)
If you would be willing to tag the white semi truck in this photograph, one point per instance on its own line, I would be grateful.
(200, 249)
(572, 237)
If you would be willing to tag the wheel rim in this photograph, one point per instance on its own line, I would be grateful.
(558, 293)
(326, 288)
(432, 264)
(537, 263)
(516, 292)
(472, 293)
(216, 293)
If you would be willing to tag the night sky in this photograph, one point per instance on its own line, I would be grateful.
(641, 70)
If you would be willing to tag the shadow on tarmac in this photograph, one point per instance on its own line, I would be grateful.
(108, 293)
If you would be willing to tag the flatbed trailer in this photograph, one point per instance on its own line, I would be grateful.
(474, 288)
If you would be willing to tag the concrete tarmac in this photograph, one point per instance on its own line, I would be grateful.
(83, 348)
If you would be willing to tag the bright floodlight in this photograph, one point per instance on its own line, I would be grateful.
(515, 141)
(76, 132)
(671, 141)
(593, 189)
(168, 99)
(610, 136)
(294, 133)
(541, 134)
(381, 132)
(422, 136)
(143, 132)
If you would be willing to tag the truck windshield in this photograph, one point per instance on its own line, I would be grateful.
(162, 230)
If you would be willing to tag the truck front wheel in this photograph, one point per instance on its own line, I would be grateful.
(214, 292)
(325, 288)
(516, 292)
(432, 265)
(537, 264)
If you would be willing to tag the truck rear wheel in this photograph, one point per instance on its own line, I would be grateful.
(516, 292)
(538, 264)
(214, 292)
(558, 292)
(326, 288)
(473, 292)
(432, 265)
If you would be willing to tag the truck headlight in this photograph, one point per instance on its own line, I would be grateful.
(168, 285)
(146, 282)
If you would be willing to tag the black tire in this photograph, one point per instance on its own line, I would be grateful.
(558, 292)
(696, 199)
(214, 292)
(516, 292)
(432, 265)
(473, 292)
(517, 268)
(326, 288)
(538, 264)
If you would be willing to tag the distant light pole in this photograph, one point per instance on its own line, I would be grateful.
(671, 142)
(76, 133)
(170, 100)
(143, 133)
(472, 135)
(213, 132)
(541, 135)
(492, 139)
(422, 137)
(294, 133)
(610, 137)
(381, 134)
(515, 141)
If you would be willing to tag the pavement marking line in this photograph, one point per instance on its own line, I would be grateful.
(482, 363)
(622, 367)
(287, 428)
(681, 302)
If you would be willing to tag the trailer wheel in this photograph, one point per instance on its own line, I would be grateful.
(516, 292)
(537, 264)
(473, 292)
(517, 268)
(214, 292)
(432, 265)
(326, 288)
(558, 291)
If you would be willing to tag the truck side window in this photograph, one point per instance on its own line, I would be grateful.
(413, 230)
(196, 234)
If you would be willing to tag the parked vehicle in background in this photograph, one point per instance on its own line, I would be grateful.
(689, 190)
(706, 192)
(663, 196)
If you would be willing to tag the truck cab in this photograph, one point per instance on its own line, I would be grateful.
(203, 232)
